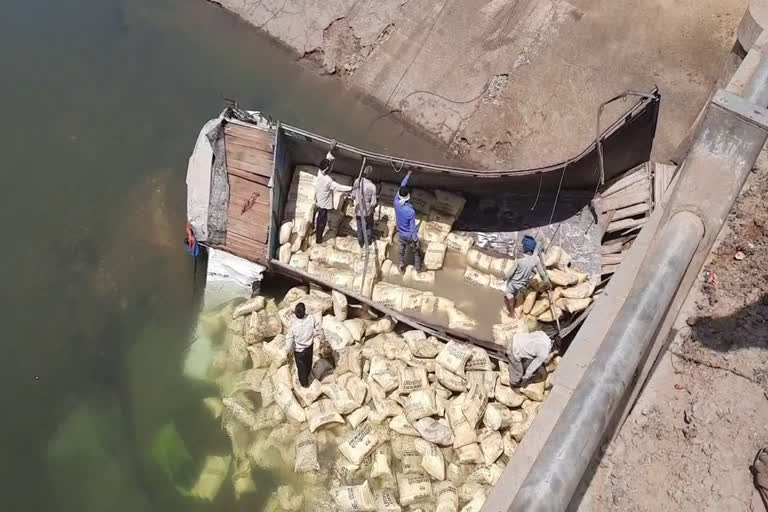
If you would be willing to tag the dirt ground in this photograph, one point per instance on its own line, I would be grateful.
(691, 437)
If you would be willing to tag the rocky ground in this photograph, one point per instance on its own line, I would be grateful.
(511, 83)
(691, 437)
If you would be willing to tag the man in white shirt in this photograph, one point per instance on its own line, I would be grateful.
(300, 338)
(365, 203)
(324, 189)
(533, 346)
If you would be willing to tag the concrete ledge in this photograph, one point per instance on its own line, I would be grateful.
(752, 24)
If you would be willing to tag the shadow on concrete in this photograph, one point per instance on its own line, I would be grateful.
(747, 327)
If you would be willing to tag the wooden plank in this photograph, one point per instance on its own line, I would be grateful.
(609, 269)
(625, 224)
(242, 188)
(242, 202)
(604, 219)
(623, 200)
(615, 245)
(250, 155)
(630, 211)
(255, 178)
(259, 169)
(611, 259)
(256, 137)
(244, 142)
(245, 229)
(626, 181)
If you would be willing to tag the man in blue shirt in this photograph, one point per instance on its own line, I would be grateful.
(408, 233)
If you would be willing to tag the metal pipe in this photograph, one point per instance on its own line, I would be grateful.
(550, 486)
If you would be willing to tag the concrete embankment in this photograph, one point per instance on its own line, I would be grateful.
(511, 83)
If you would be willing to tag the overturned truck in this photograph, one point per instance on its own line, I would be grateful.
(250, 206)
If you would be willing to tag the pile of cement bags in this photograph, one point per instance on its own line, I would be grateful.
(392, 420)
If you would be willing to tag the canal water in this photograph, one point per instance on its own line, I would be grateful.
(101, 104)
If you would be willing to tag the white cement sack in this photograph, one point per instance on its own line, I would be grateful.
(249, 306)
(420, 404)
(286, 228)
(284, 254)
(381, 465)
(240, 412)
(356, 417)
(548, 316)
(469, 489)
(385, 500)
(339, 305)
(242, 479)
(501, 267)
(454, 357)
(365, 288)
(503, 333)
(449, 379)
(308, 395)
(573, 305)
(552, 256)
(215, 470)
(457, 319)
(421, 346)
(360, 443)
(354, 498)
(347, 244)
(380, 326)
(474, 404)
(434, 255)
(562, 278)
(463, 432)
(518, 428)
(479, 360)
(305, 447)
(264, 324)
(510, 447)
(534, 391)
(475, 277)
(435, 431)
(580, 276)
(388, 295)
(431, 231)
(413, 488)
(488, 475)
(385, 373)
(354, 386)
(296, 243)
(446, 497)
(267, 392)
(459, 243)
(259, 358)
(484, 378)
(432, 460)
(426, 278)
(342, 399)
(402, 426)
(413, 379)
(350, 360)
(292, 296)
(287, 402)
(411, 464)
(491, 445)
(322, 412)
(412, 299)
(508, 396)
(336, 334)
(277, 350)
(448, 203)
(580, 291)
(428, 303)
(539, 307)
(479, 260)
(356, 328)
(469, 453)
(497, 416)
(444, 305)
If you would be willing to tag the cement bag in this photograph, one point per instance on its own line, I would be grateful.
(286, 228)
(508, 396)
(296, 243)
(503, 333)
(413, 379)
(552, 256)
(381, 326)
(449, 379)
(287, 402)
(277, 349)
(457, 319)
(349, 360)
(342, 399)
(553, 364)
(491, 445)
(385, 373)
(580, 276)
(573, 305)
(354, 386)
(434, 255)
(426, 278)
(561, 278)
(413, 488)
(385, 407)
(240, 412)
(292, 296)
(479, 260)
(264, 324)
(388, 295)
(364, 289)
(448, 203)
(534, 391)
(385, 500)
(454, 357)
(360, 443)
(459, 243)
(322, 412)
(356, 417)
(497, 416)
(421, 346)
(510, 447)
(336, 334)
(356, 328)
(432, 460)
(299, 260)
(339, 305)
(341, 259)
(215, 470)
(343, 279)
(242, 480)
(249, 306)
(487, 475)
(381, 458)
(539, 307)
(475, 402)
(469, 453)
(284, 254)
(475, 277)
(430, 231)
(478, 361)
(463, 432)
(476, 503)
(354, 498)
(435, 431)
(580, 291)
(501, 267)
(347, 244)
(443, 305)
(401, 425)
(428, 303)
(548, 317)
(305, 447)
(214, 406)
(446, 496)
(267, 392)
(412, 299)
(484, 378)
(411, 464)
(420, 404)
(529, 301)
(518, 428)
(307, 395)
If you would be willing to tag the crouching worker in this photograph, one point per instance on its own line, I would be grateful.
(531, 348)
(519, 277)
(300, 338)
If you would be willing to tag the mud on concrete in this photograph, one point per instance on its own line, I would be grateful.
(691, 437)
(511, 83)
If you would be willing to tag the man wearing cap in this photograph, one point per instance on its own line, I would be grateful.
(408, 233)
(364, 192)
(519, 277)
(324, 189)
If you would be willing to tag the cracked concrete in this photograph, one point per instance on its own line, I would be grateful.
(436, 64)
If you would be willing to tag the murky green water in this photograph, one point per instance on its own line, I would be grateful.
(102, 101)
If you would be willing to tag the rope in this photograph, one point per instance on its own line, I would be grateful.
(554, 206)
(538, 192)
(397, 170)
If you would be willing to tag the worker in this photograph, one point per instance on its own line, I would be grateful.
(300, 338)
(364, 192)
(531, 347)
(518, 278)
(408, 233)
(324, 189)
